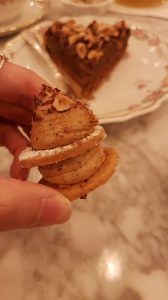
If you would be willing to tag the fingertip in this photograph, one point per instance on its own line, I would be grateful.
(27, 205)
(55, 209)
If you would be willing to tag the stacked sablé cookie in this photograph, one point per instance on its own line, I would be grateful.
(66, 145)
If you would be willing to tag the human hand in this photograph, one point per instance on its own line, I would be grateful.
(17, 90)
(23, 204)
(26, 205)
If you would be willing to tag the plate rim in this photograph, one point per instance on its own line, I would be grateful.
(114, 117)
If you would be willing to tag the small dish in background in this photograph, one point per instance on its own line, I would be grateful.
(32, 11)
(79, 7)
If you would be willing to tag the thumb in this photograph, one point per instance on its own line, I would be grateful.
(27, 204)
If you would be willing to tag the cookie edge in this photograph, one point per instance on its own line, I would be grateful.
(102, 175)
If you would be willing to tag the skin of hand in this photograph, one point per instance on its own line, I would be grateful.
(17, 90)
(23, 204)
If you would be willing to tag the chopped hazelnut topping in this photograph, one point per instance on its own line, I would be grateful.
(88, 41)
(62, 103)
(106, 37)
(71, 23)
(95, 55)
(66, 30)
(46, 95)
(114, 32)
(37, 101)
(79, 28)
(75, 38)
(100, 43)
(94, 26)
(81, 50)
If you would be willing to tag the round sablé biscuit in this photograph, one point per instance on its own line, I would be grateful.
(32, 158)
(101, 176)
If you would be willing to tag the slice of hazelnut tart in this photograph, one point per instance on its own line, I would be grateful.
(91, 50)
(66, 145)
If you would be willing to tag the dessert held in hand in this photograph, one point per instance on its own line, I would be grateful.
(66, 145)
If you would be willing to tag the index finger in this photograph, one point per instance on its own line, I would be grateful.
(19, 85)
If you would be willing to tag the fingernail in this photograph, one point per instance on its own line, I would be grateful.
(54, 210)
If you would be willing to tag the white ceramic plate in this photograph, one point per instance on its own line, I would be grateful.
(137, 85)
(33, 11)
